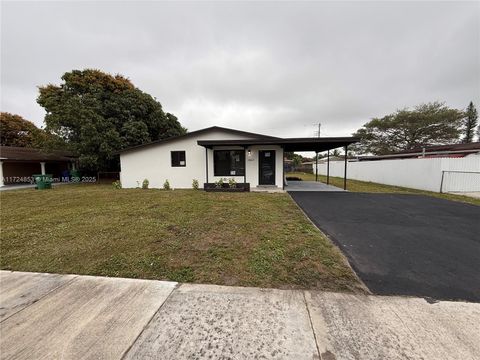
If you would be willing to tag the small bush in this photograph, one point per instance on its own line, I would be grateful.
(195, 184)
(145, 184)
(117, 184)
(232, 183)
(166, 185)
(219, 183)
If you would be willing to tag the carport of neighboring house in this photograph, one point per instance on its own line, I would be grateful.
(18, 164)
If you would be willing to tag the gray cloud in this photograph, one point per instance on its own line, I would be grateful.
(276, 68)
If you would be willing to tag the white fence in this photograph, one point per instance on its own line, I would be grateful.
(459, 174)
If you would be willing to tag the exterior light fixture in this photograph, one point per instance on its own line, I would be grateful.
(249, 155)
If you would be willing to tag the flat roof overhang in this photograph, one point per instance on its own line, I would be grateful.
(288, 144)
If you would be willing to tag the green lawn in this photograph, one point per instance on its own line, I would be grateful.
(364, 186)
(246, 239)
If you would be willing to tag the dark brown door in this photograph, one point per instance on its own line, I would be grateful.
(266, 165)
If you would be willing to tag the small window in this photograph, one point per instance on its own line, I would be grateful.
(178, 158)
(229, 162)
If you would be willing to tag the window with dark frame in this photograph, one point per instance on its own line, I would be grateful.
(178, 159)
(229, 162)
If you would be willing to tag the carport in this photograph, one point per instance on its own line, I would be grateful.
(18, 164)
(318, 145)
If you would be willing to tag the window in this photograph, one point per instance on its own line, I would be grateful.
(229, 162)
(178, 158)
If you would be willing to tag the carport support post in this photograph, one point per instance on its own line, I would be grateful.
(328, 167)
(1, 174)
(42, 167)
(316, 165)
(345, 171)
(245, 170)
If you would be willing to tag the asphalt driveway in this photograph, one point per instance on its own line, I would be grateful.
(403, 244)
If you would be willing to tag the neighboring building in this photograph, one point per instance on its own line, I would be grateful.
(451, 151)
(214, 153)
(18, 164)
(331, 158)
(288, 165)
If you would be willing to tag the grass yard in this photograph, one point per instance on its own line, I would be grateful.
(364, 186)
(246, 239)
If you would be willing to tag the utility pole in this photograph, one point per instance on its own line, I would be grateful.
(318, 131)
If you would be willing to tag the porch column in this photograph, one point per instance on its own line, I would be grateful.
(206, 164)
(42, 167)
(345, 171)
(316, 165)
(245, 170)
(328, 167)
(283, 168)
(1, 173)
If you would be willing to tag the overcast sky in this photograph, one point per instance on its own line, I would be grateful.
(274, 68)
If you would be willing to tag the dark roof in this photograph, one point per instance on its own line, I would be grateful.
(449, 147)
(288, 144)
(457, 150)
(332, 158)
(197, 132)
(28, 154)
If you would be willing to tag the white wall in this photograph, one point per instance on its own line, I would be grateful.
(154, 163)
(422, 174)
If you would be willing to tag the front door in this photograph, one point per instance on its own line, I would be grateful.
(266, 165)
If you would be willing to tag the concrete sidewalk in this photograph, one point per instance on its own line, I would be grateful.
(69, 317)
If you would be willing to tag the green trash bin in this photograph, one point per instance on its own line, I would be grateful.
(42, 181)
(75, 176)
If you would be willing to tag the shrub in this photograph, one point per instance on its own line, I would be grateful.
(117, 184)
(145, 184)
(219, 183)
(166, 185)
(195, 184)
(232, 183)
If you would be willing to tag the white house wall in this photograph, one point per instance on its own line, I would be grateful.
(154, 162)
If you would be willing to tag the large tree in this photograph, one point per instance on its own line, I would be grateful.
(471, 122)
(426, 124)
(16, 131)
(98, 114)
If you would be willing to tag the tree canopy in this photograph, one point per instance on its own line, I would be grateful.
(17, 131)
(471, 122)
(426, 124)
(98, 114)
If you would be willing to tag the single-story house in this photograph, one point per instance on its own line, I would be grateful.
(18, 164)
(214, 153)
